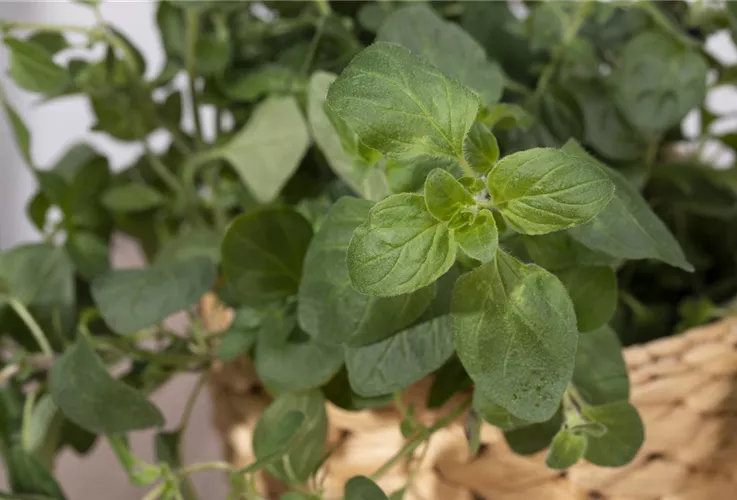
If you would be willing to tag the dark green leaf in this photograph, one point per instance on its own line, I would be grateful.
(305, 449)
(52, 41)
(338, 391)
(494, 414)
(20, 131)
(168, 448)
(188, 244)
(85, 392)
(32, 68)
(566, 449)
(558, 251)
(480, 237)
(89, 253)
(26, 476)
(363, 488)
(534, 438)
(241, 335)
(445, 45)
(132, 198)
(401, 360)
(623, 438)
(535, 202)
(594, 293)
(401, 105)
(132, 299)
(296, 366)
(627, 227)
(600, 375)
(267, 151)
(400, 249)
(480, 148)
(448, 380)
(445, 196)
(262, 254)
(515, 332)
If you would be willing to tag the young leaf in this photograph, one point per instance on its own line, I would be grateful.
(627, 227)
(401, 105)
(445, 196)
(479, 238)
(544, 190)
(566, 449)
(515, 332)
(623, 438)
(600, 375)
(400, 249)
(306, 448)
(593, 291)
(32, 68)
(268, 150)
(405, 176)
(657, 82)
(262, 254)
(89, 396)
(346, 162)
(401, 360)
(296, 366)
(363, 488)
(130, 198)
(480, 148)
(444, 44)
(132, 299)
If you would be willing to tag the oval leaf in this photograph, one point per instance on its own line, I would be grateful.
(293, 366)
(131, 198)
(480, 238)
(33, 69)
(600, 375)
(566, 449)
(480, 148)
(594, 293)
(362, 488)
(623, 438)
(444, 195)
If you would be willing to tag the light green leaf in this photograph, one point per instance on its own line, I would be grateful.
(20, 132)
(267, 151)
(296, 366)
(594, 293)
(445, 45)
(600, 375)
(131, 198)
(480, 238)
(401, 105)
(559, 251)
(33, 69)
(89, 253)
(627, 227)
(363, 488)
(543, 190)
(132, 299)
(274, 439)
(534, 438)
(343, 156)
(445, 196)
(657, 81)
(480, 148)
(401, 360)
(85, 392)
(306, 448)
(262, 254)
(330, 310)
(566, 449)
(400, 249)
(515, 333)
(624, 436)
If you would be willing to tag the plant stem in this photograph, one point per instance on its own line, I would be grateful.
(189, 406)
(184, 471)
(465, 166)
(116, 41)
(193, 30)
(162, 171)
(60, 28)
(26, 422)
(315, 43)
(32, 325)
(159, 357)
(324, 7)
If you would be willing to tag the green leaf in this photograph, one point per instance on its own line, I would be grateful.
(404, 176)
(449, 379)
(27, 478)
(544, 190)
(306, 448)
(627, 227)
(600, 375)
(623, 438)
(274, 439)
(400, 249)
(262, 254)
(167, 446)
(51, 41)
(296, 366)
(269, 79)
(401, 105)
(515, 332)
(566, 449)
(657, 81)
(445, 45)
(480, 148)
(363, 488)
(479, 238)
(191, 243)
(132, 299)
(85, 392)
(338, 391)
(559, 251)
(131, 198)
(445, 196)
(534, 438)
(241, 334)
(494, 414)
(43, 430)
(594, 293)
(343, 155)
(330, 309)
(401, 360)
(89, 253)
(267, 151)
(20, 132)
(32, 68)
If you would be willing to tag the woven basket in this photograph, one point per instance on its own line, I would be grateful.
(683, 386)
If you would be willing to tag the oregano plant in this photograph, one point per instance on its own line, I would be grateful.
(381, 192)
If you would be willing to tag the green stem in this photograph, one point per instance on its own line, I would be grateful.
(33, 326)
(60, 28)
(191, 400)
(27, 416)
(194, 163)
(465, 166)
(315, 43)
(158, 357)
(324, 7)
(162, 171)
(193, 31)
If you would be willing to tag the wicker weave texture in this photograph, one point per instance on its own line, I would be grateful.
(685, 388)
